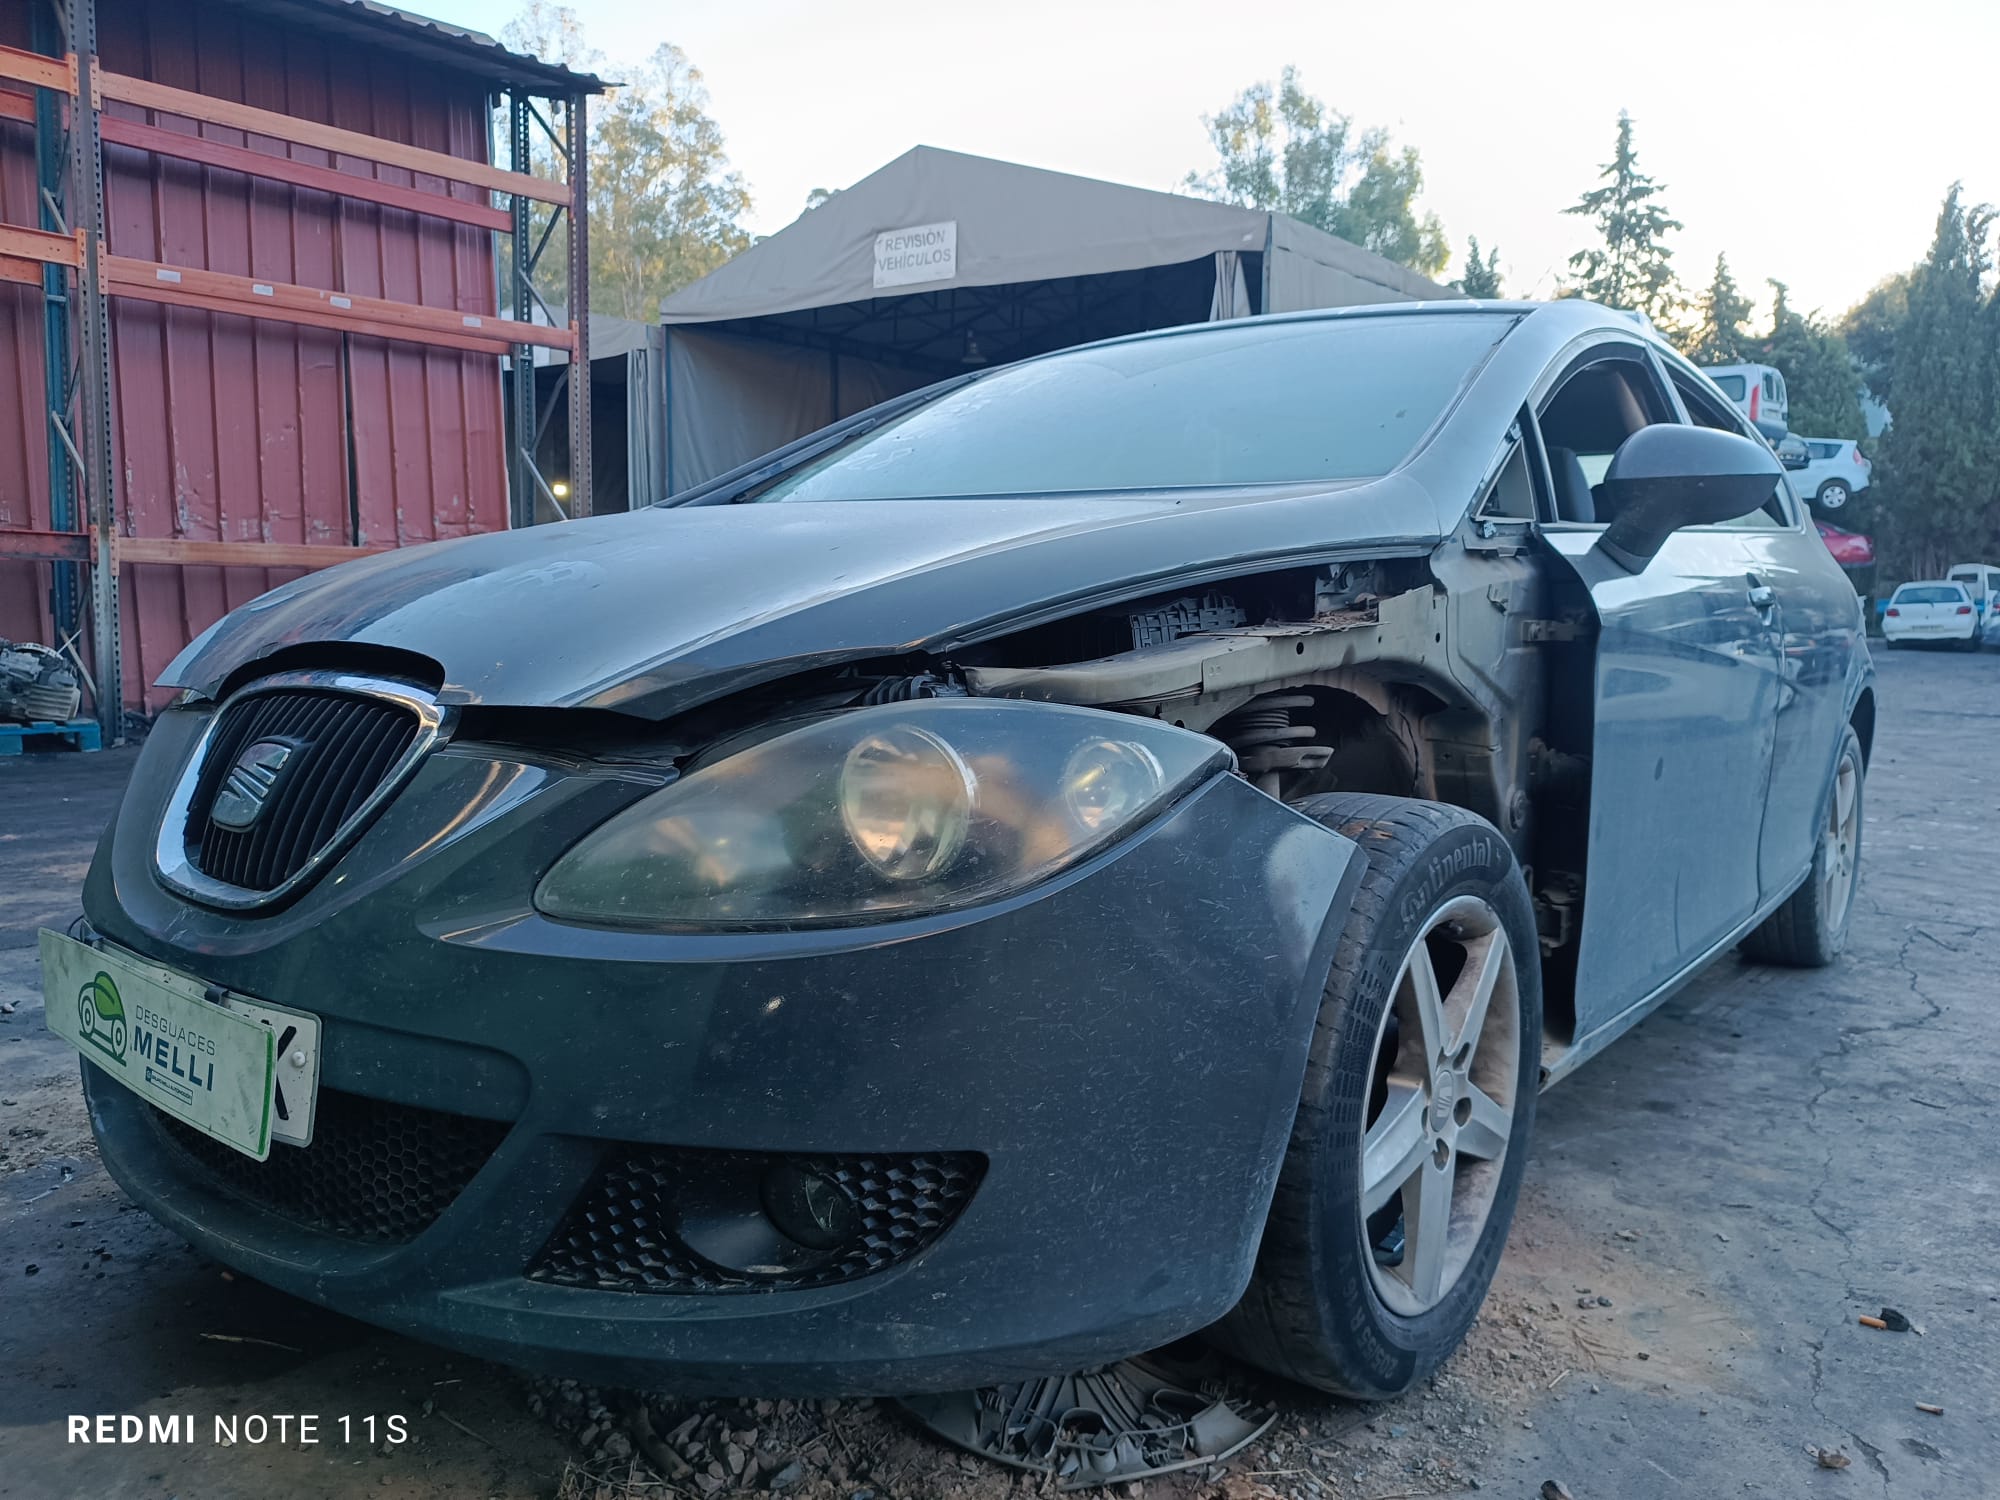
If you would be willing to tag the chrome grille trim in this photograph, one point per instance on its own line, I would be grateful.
(172, 862)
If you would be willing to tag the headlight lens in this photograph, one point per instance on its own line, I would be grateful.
(905, 799)
(896, 810)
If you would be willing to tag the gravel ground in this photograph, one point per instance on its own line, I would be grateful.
(1710, 1206)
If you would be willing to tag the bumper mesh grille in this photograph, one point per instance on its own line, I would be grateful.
(619, 1235)
(343, 745)
(374, 1171)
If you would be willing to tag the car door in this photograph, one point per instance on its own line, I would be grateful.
(1816, 627)
(1687, 687)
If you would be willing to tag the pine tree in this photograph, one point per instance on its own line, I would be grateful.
(1481, 278)
(1939, 457)
(1717, 336)
(1821, 378)
(1634, 268)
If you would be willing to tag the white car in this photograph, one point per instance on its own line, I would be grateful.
(1933, 610)
(1838, 471)
(1982, 582)
(1759, 393)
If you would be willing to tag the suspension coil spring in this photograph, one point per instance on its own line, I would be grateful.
(1268, 743)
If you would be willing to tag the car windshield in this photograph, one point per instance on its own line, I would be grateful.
(1931, 593)
(1730, 385)
(1322, 399)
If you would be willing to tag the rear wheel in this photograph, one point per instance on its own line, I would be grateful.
(1810, 929)
(1832, 495)
(1405, 1161)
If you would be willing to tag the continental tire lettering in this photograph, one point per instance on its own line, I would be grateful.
(1476, 853)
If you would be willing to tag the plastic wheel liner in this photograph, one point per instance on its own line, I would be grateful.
(1149, 1415)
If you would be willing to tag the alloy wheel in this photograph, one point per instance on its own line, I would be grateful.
(1843, 828)
(1833, 496)
(1441, 1112)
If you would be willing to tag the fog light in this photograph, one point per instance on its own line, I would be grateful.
(810, 1207)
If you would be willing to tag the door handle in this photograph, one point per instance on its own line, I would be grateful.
(1762, 596)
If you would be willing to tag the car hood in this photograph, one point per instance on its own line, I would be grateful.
(654, 611)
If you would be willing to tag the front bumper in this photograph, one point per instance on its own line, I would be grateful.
(1121, 1049)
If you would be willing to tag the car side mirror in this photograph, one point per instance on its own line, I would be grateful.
(1665, 477)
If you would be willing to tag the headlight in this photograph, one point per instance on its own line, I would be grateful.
(880, 812)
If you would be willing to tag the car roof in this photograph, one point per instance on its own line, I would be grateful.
(1554, 323)
(1931, 583)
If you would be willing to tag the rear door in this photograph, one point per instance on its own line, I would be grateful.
(1687, 691)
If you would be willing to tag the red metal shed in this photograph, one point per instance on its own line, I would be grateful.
(322, 422)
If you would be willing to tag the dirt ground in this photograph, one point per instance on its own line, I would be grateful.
(1710, 1206)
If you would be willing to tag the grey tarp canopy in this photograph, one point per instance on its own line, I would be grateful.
(809, 326)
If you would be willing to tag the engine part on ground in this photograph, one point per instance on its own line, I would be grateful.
(1266, 741)
(1150, 1415)
(36, 687)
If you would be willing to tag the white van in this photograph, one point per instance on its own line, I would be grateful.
(1759, 393)
(1981, 582)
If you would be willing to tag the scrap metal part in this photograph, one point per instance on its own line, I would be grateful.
(1149, 1415)
(36, 687)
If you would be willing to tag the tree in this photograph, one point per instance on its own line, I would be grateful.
(1821, 380)
(1481, 278)
(818, 196)
(1634, 268)
(1870, 328)
(1939, 458)
(664, 206)
(1717, 336)
(1285, 151)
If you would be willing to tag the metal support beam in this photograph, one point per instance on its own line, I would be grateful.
(520, 450)
(579, 306)
(51, 171)
(86, 213)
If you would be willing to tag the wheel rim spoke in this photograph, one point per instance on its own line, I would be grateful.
(1427, 1229)
(1420, 1005)
(1394, 1147)
(1485, 961)
(1484, 1135)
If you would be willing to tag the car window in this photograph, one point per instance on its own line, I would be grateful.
(1705, 411)
(1512, 495)
(1930, 593)
(1592, 412)
(1730, 385)
(1824, 450)
(1319, 399)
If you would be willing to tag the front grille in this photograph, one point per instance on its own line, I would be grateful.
(374, 1171)
(342, 747)
(620, 1235)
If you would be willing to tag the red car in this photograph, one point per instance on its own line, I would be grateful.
(1849, 548)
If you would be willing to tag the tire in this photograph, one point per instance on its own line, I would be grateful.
(1326, 1305)
(1832, 495)
(1810, 929)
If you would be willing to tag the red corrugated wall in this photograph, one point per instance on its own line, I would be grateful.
(235, 429)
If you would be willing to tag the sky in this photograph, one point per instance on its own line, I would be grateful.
(1810, 140)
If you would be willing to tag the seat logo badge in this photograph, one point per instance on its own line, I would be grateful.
(246, 790)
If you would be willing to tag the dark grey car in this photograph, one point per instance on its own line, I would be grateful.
(1102, 849)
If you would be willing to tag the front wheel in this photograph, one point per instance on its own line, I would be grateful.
(1810, 929)
(1400, 1179)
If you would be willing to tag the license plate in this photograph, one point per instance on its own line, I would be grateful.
(235, 1068)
